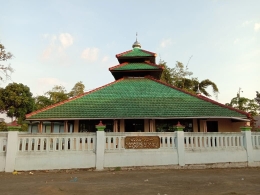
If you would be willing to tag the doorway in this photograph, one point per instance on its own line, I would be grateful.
(212, 126)
(134, 125)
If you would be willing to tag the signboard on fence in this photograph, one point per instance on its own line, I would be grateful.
(142, 142)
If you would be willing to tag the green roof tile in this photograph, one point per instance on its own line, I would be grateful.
(136, 52)
(135, 98)
(136, 66)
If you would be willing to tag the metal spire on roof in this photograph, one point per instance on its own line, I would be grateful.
(136, 43)
(198, 90)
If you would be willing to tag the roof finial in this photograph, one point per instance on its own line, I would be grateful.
(136, 43)
(198, 90)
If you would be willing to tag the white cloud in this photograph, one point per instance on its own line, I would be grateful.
(165, 43)
(246, 23)
(46, 84)
(66, 39)
(90, 54)
(105, 59)
(236, 41)
(257, 26)
(57, 45)
(47, 53)
(51, 47)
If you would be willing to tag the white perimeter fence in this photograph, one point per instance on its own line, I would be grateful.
(24, 151)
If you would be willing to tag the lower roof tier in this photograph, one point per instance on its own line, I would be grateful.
(136, 98)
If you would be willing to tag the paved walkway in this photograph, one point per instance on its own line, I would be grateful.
(133, 182)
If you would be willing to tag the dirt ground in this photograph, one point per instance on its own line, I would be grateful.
(113, 182)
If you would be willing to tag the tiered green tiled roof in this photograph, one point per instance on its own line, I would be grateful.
(136, 98)
(136, 66)
(136, 52)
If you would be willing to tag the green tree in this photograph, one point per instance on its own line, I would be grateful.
(257, 99)
(244, 104)
(166, 74)
(203, 85)
(57, 94)
(3, 126)
(17, 101)
(179, 76)
(78, 89)
(5, 70)
(42, 101)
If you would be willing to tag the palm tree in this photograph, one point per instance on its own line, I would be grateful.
(203, 85)
(193, 84)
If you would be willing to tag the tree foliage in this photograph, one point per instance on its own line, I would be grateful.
(42, 101)
(179, 76)
(78, 89)
(3, 126)
(16, 101)
(5, 70)
(257, 99)
(244, 104)
(166, 74)
(57, 94)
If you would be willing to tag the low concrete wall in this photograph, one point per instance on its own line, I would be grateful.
(256, 155)
(3, 144)
(140, 158)
(24, 151)
(2, 162)
(60, 160)
(215, 156)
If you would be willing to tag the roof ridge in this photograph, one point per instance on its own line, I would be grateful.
(71, 99)
(118, 55)
(200, 97)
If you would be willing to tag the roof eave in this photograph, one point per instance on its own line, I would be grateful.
(117, 118)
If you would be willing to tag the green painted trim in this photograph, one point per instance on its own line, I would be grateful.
(100, 128)
(179, 128)
(245, 128)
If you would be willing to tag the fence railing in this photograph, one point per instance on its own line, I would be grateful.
(116, 141)
(212, 140)
(256, 140)
(56, 142)
(3, 142)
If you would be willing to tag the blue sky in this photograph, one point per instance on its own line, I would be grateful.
(61, 42)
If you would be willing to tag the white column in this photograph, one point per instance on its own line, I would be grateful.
(11, 149)
(100, 150)
(180, 147)
(248, 146)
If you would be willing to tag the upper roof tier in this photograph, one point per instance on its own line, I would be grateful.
(136, 69)
(136, 63)
(136, 55)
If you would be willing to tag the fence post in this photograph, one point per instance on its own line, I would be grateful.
(100, 146)
(180, 144)
(11, 149)
(248, 143)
